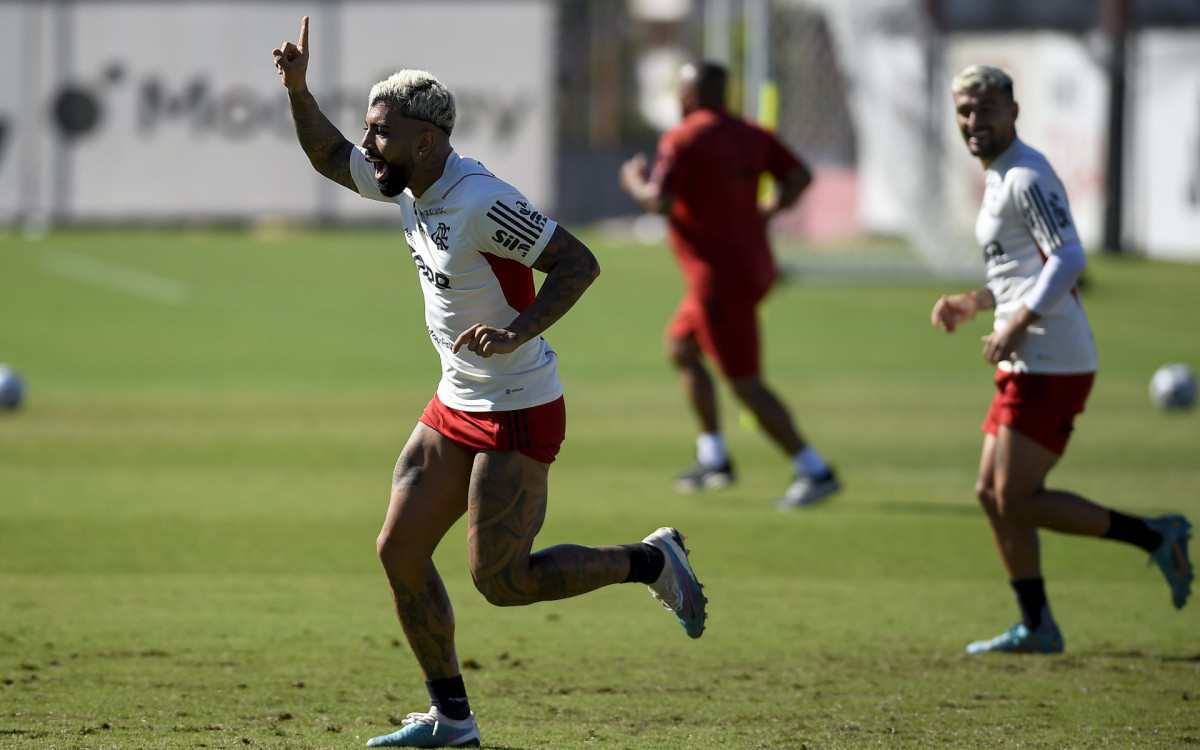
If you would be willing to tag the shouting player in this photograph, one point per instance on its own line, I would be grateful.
(484, 444)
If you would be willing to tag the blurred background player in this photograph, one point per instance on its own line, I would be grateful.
(705, 180)
(484, 444)
(1046, 362)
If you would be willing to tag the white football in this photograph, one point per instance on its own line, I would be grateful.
(1173, 387)
(12, 390)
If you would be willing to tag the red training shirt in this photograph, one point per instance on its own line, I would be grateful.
(710, 163)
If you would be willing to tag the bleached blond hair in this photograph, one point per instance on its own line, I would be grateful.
(984, 77)
(417, 95)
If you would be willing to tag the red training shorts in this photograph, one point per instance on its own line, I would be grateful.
(1040, 407)
(725, 327)
(538, 431)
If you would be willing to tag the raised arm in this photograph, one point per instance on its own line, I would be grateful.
(326, 147)
(570, 269)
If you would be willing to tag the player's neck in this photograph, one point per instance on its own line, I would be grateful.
(429, 172)
(988, 161)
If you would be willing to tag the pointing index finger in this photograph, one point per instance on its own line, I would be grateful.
(463, 338)
(304, 34)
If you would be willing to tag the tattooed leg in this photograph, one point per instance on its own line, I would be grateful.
(429, 489)
(507, 505)
(428, 622)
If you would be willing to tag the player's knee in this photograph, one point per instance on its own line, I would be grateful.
(683, 353)
(985, 493)
(394, 554)
(504, 585)
(385, 549)
(748, 389)
(1011, 504)
(502, 591)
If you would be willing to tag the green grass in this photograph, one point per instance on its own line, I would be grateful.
(189, 501)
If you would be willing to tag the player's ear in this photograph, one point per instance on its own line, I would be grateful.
(426, 141)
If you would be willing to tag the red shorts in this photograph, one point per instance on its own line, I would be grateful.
(725, 327)
(538, 431)
(1041, 407)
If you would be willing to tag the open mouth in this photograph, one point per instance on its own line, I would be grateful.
(381, 167)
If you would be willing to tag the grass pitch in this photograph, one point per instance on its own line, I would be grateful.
(189, 501)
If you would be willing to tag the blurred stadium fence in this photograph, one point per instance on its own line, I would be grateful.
(862, 90)
(127, 111)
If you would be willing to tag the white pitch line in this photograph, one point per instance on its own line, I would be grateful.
(117, 278)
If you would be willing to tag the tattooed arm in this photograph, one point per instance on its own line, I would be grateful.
(326, 147)
(570, 269)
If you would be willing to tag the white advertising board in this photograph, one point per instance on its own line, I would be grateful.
(1163, 192)
(130, 111)
(916, 176)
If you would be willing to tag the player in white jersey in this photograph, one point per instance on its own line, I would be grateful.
(1046, 361)
(484, 444)
(473, 239)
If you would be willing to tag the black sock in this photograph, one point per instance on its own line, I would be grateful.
(1031, 598)
(645, 563)
(449, 695)
(1132, 530)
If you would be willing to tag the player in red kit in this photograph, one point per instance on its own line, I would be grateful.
(705, 180)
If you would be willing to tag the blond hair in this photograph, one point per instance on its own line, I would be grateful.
(417, 95)
(984, 77)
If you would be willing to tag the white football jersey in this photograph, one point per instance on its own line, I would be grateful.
(473, 238)
(1024, 218)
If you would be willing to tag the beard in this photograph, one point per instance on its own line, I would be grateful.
(983, 150)
(989, 145)
(394, 181)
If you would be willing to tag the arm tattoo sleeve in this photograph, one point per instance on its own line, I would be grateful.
(326, 147)
(570, 269)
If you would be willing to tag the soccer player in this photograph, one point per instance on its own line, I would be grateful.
(705, 179)
(484, 444)
(1046, 361)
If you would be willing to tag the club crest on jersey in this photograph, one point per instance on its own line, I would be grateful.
(440, 236)
(518, 227)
